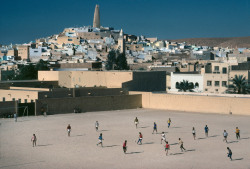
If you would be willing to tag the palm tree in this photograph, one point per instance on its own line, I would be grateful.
(185, 86)
(239, 85)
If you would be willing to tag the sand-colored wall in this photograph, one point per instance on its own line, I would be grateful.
(18, 94)
(48, 75)
(193, 103)
(94, 78)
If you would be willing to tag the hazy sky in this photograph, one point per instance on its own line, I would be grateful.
(25, 20)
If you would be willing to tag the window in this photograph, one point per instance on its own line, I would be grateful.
(19, 100)
(70, 40)
(217, 83)
(224, 70)
(32, 101)
(216, 90)
(209, 83)
(224, 83)
(205, 89)
(25, 100)
(13, 99)
(216, 68)
(3, 99)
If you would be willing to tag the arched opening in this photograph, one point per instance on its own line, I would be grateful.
(197, 84)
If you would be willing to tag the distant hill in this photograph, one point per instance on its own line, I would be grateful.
(240, 42)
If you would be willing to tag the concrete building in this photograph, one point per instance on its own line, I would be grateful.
(216, 77)
(196, 79)
(23, 52)
(96, 21)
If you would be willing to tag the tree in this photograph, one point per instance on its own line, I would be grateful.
(28, 72)
(239, 85)
(116, 61)
(111, 60)
(185, 86)
(121, 62)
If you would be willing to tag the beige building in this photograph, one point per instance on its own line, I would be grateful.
(216, 77)
(23, 52)
(62, 39)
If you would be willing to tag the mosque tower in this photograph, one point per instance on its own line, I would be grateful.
(96, 22)
(121, 42)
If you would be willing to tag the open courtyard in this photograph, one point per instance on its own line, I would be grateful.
(56, 150)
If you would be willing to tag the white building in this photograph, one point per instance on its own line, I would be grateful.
(196, 79)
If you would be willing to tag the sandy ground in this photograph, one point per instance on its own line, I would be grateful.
(56, 150)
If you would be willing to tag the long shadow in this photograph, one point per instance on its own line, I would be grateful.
(244, 138)
(135, 152)
(76, 136)
(173, 144)
(103, 130)
(10, 166)
(43, 145)
(175, 127)
(174, 154)
(110, 146)
(190, 150)
(237, 159)
(201, 138)
(214, 136)
(232, 142)
(149, 143)
(143, 127)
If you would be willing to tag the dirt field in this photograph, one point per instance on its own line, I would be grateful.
(56, 150)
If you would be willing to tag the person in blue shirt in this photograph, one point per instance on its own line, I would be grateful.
(155, 128)
(100, 140)
(206, 130)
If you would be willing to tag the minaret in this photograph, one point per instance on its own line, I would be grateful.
(96, 22)
(121, 42)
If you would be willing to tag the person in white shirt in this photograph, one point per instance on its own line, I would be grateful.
(225, 134)
(96, 125)
(163, 137)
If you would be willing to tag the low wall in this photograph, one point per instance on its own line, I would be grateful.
(8, 107)
(88, 104)
(193, 103)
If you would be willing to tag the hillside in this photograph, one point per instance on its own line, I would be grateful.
(239, 42)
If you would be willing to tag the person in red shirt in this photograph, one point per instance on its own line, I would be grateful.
(124, 147)
(140, 138)
(167, 147)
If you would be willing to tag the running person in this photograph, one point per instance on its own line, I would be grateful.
(237, 132)
(163, 137)
(169, 122)
(100, 138)
(33, 140)
(167, 147)
(181, 145)
(140, 138)
(194, 133)
(69, 129)
(124, 147)
(225, 134)
(96, 125)
(229, 154)
(206, 130)
(136, 121)
(155, 128)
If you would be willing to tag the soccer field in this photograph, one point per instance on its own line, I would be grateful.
(56, 150)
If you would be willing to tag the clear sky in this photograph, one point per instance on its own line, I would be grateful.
(25, 20)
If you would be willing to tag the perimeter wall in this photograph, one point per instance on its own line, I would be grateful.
(194, 103)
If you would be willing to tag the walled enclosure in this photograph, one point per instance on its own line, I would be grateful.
(88, 104)
(199, 104)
